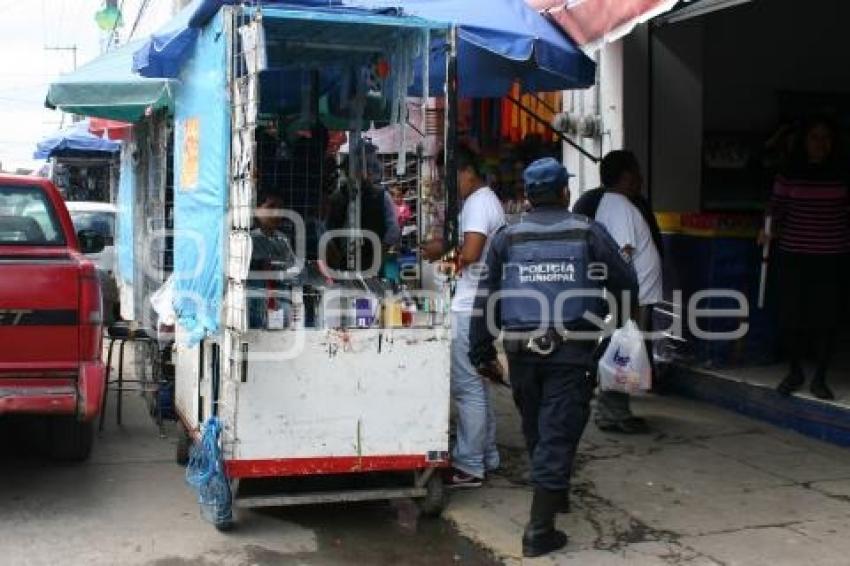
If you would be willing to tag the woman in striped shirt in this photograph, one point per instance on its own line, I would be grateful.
(810, 207)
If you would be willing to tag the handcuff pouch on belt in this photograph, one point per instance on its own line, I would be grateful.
(542, 344)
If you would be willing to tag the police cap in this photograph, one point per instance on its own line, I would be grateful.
(544, 176)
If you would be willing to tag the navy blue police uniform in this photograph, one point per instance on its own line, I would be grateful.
(544, 284)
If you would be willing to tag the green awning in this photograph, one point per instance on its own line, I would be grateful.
(108, 88)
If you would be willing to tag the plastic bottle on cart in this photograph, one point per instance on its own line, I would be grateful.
(427, 310)
(443, 308)
(408, 308)
(391, 312)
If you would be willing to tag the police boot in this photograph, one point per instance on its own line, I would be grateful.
(540, 536)
(564, 506)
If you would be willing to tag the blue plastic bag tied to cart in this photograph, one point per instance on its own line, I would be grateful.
(205, 473)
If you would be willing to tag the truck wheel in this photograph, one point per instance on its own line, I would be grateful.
(71, 440)
(183, 448)
(435, 500)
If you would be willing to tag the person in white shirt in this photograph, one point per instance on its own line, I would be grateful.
(614, 207)
(475, 451)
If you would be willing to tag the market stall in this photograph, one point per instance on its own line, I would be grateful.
(311, 372)
(114, 97)
(83, 166)
(313, 368)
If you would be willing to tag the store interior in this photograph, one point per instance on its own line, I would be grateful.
(728, 92)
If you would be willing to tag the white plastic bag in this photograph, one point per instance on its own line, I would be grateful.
(625, 365)
(162, 301)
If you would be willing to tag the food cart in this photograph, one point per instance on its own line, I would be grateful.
(340, 391)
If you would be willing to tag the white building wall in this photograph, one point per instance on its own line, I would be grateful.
(649, 96)
(604, 102)
(580, 104)
(650, 99)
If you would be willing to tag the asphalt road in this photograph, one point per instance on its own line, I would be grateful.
(130, 505)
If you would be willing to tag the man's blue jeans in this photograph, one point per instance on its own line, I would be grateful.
(475, 451)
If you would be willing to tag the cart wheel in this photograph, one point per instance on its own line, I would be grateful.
(184, 446)
(435, 500)
(225, 526)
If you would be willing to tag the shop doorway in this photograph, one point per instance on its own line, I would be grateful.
(728, 91)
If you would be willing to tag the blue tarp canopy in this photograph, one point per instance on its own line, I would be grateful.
(75, 139)
(165, 52)
(201, 164)
(500, 43)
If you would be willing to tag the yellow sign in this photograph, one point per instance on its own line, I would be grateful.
(191, 154)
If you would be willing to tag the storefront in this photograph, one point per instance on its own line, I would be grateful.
(709, 95)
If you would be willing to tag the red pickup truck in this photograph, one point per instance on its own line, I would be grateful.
(51, 319)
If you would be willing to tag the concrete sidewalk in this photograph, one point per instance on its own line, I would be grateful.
(708, 487)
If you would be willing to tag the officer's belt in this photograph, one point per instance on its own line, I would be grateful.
(543, 343)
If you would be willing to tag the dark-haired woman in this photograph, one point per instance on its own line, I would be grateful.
(810, 207)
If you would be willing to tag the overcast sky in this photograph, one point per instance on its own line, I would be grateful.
(26, 67)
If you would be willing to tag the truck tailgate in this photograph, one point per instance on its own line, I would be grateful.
(39, 298)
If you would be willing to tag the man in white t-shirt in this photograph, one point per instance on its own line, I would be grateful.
(613, 207)
(475, 451)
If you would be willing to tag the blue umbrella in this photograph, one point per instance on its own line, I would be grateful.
(74, 139)
(499, 43)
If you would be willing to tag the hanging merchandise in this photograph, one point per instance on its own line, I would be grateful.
(403, 65)
(254, 47)
(426, 75)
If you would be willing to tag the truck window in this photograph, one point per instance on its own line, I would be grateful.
(27, 218)
(101, 222)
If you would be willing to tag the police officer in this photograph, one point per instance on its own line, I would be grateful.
(549, 343)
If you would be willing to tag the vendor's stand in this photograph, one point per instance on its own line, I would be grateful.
(341, 390)
(83, 166)
(323, 388)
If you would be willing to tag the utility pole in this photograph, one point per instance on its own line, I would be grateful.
(71, 48)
